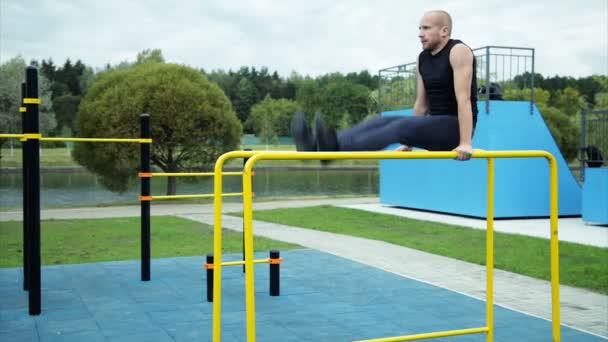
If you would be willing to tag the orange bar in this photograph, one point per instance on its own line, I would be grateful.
(276, 261)
(145, 198)
(145, 174)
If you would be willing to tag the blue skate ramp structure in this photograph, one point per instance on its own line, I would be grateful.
(455, 187)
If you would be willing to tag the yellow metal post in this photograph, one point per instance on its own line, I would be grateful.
(490, 253)
(248, 237)
(554, 248)
(217, 239)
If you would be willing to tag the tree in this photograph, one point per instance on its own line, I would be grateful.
(270, 118)
(246, 96)
(12, 74)
(192, 122)
(308, 95)
(146, 56)
(569, 101)
(340, 98)
(66, 108)
(564, 131)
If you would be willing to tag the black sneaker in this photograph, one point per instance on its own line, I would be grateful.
(327, 139)
(301, 134)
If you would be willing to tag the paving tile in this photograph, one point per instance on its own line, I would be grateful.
(324, 298)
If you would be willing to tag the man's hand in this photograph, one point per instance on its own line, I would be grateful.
(404, 148)
(464, 151)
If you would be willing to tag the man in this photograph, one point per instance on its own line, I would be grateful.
(445, 111)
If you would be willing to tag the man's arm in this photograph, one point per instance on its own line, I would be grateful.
(461, 59)
(421, 105)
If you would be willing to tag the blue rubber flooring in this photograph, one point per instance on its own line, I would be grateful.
(323, 298)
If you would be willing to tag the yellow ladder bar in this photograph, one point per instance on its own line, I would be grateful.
(117, 140)
(429, 335)
(190, 174)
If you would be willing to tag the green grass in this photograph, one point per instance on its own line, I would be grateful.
(580, 266)
(49, 157)
(93, 240)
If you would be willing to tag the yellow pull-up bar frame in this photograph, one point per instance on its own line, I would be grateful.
(478, 154)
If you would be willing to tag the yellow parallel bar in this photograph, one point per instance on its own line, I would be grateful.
(429, 335)
(138, 140)
(490, 253)
(29, 100)
(235, 263)
(248, 239)
(12, 136)
(554, 249)
(188, 174)
(276, 155)
(228, 194)
(217, 239)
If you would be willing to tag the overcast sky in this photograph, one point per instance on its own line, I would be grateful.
(308, 36)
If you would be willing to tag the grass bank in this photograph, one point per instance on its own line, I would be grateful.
(580, 265)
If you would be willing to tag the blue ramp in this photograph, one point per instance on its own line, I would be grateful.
(521, 185)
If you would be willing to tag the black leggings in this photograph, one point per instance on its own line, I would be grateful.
(430, 132)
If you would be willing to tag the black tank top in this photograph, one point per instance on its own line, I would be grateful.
(438, 77)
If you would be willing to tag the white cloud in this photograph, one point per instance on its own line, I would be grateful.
(313, 37)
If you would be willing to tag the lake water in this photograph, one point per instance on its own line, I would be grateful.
(82, 188)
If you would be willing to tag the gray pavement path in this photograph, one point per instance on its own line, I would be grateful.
(176, 209)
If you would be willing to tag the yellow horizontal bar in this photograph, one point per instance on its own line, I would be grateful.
(286, 155)
(22, 109)
(139, 140)
(429, 335)
(234, 263)
(29, 100)
(195, 196)
(11, 136)
(30, 136)
(187, 174)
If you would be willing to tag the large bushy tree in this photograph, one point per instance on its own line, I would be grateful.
(192, 121)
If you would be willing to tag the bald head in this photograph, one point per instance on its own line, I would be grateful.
(441, 19)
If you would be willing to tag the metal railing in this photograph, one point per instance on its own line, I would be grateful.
(594, 140)
(248, 231)
(511, 68)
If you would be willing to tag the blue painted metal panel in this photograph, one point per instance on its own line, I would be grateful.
(595, 196)
(522, 185)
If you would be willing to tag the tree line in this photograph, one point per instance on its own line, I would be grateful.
(264, 101)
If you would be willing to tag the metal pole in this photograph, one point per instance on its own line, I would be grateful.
(244, 162)
(275, 273)
(209, 278)
(380, 92)
(25, 190)
(582, 149)
(532, 86)
(33, 159)
(487, 80)
(145, 192)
